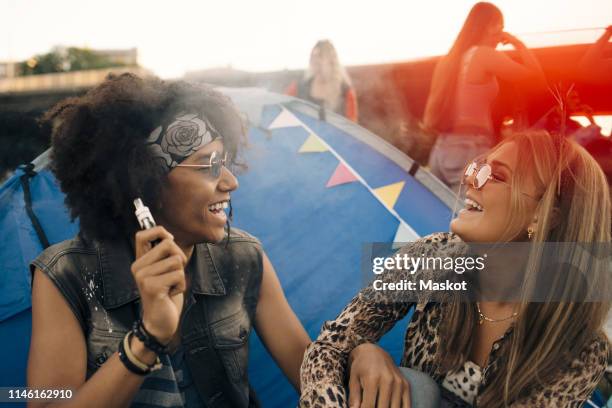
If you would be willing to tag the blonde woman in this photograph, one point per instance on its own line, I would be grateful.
(532, 188)
(464, 87)
(326, 82)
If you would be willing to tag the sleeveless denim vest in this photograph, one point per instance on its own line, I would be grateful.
(96, 281)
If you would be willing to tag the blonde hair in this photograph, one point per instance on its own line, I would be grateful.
(574, 208)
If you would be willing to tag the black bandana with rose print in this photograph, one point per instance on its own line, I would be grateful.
(179, 140)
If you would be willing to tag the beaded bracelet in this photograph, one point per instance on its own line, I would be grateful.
(131, 362)
(148, 339)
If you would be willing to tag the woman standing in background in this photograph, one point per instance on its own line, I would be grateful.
(464, 86)
(326, 82)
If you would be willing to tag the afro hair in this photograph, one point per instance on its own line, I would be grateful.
(99, 152)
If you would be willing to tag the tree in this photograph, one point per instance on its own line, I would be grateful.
(65, 60)
(41, 64)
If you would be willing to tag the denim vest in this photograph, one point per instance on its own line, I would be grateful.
(96, 281)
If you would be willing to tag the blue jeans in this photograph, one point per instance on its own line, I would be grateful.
(451, 153)
(424, 391)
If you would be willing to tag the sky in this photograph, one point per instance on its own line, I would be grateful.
(177, 36)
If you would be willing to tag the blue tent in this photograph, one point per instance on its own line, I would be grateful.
(318, 188)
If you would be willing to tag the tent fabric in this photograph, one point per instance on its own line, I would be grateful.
(19, 242)
(313, 232)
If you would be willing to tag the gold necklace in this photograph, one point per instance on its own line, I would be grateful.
(482, 318)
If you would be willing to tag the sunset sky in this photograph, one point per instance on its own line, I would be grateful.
(179, 36)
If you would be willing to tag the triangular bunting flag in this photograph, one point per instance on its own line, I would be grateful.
(342, 175)
(403, 234)
(389, 194)
(313, 144)
(285, 119)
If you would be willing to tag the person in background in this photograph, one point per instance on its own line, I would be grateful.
(559, 120)
(464, 87)
(595, 66)
(326, 82)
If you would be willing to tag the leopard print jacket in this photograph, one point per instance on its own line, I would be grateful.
(370, 315)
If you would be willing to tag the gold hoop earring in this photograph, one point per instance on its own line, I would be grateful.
(530, 232)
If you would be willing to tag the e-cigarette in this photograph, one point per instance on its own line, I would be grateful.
(145, 219)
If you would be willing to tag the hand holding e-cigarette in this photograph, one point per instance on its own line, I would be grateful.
(160, 276)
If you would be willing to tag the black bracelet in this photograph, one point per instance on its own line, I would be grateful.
(148, 339)
(128, 363)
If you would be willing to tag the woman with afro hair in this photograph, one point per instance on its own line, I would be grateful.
(159, 317)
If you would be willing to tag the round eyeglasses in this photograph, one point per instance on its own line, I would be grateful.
(481, 173)
(215, 164)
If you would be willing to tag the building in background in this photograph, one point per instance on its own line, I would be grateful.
(28, 88)
(8, 69)
(128, 57)
(66, 68)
